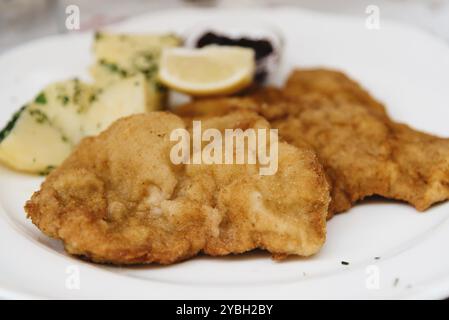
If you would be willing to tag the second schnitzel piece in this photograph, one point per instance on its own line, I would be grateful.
(333, 85)
(120, 199)
(363, 152)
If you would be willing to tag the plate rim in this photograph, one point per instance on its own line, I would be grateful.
(11, 293)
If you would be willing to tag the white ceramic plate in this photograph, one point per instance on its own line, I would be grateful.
(405, 68)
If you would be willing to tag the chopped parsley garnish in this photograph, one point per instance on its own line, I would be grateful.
(10, 125)
(39, 116)
(146, 63)
(92, 98)
(77, 90)
(150, 72)
(98, 35)
(113, 68)
(47, 171)
(64, 99)
(41, 98)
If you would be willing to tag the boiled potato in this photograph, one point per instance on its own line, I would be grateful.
(121, 99)
(120, 56)
(65, 104)
(43, 133)
(32, 144)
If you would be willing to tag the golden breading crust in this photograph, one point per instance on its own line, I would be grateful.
(363, 152)
(119, 199)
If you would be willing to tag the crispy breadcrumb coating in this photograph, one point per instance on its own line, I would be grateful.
(362, 150)
(119, 199)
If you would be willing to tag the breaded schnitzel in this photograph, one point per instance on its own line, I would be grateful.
(119, 198)
(363, 152)
(332, 85)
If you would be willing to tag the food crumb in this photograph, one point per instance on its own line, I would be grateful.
(396, 282)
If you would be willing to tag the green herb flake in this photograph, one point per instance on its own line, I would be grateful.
(112, 67)
(10, 125)
(77, 91)
(98, 35)
(41, 98)
(39, 116)
(47, 171)
(93, 98)
(150, 72)
(64, 99)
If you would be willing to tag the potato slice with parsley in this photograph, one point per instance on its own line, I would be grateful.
(121, 99)
(43, 133)
(119, 56)
(65, 103)
(31, 143)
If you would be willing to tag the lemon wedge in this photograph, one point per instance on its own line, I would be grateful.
(213, 70)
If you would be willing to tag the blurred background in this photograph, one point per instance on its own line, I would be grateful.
(23, 20)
